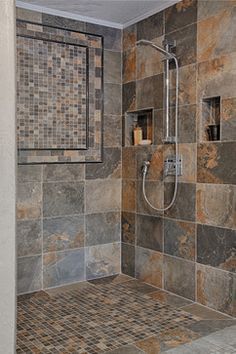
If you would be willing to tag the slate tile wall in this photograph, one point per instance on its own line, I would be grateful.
(69, 216)
(191, 249)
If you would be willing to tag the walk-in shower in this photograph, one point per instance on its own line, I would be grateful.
(172, 164)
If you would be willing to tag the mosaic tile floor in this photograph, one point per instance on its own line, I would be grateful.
(112, 315)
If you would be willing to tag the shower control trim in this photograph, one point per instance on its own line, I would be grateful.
(170, 165)
(170, 140)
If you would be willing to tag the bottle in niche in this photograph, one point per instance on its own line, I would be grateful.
(138, 135)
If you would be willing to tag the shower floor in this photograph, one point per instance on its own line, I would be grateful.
(114, 315)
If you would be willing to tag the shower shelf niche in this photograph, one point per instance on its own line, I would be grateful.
(211, 118)
(142, 118)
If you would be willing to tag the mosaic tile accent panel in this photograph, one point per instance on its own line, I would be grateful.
(93, 318)
(51, 92)
(59, 95)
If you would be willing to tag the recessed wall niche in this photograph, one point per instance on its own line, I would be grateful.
(59, 95)
(142, 119)
(211, 117)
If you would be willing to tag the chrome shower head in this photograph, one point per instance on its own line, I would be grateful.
(168, 55)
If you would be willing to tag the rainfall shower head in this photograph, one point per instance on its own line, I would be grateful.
(168, 55)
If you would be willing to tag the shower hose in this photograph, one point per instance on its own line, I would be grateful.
(145, 168)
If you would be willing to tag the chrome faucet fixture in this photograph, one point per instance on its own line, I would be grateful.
(173, 166)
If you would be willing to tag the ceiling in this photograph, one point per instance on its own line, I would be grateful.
(119, 13)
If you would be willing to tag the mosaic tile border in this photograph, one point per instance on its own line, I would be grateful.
(95, 124)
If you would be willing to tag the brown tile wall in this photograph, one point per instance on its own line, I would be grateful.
(68, 229)
(191, 249)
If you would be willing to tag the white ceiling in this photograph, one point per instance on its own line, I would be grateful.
(119, 13)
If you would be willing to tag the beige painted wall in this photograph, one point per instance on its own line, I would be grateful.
(7, 176)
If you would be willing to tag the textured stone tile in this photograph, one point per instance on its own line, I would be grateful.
(128, 195)
(180, 15)
(63, 198)
(29, 173)
(61, 290)
(216, 247)
(129, 65)
(179, 277)
(205, 327)
(149, 266)
(216, 34)
(29, 200)
(228, 123)
(216, 205)
(128, 227)
(223, 337)
(187, 87)
(112, 67)
(151, 27)
(204, 312)
(211, 8)
(65, 173)
(63, 267)
(180, 239)
(169, 299)
(128, 259)
(214, 163)
(112, 99)
(149, 232)
(63, 22)
(158, 126)
(183, 208)
(155, 195)
(217, 77)
(29, 238)
(189, 162)
(102, 260)
(129, 162)
(28, 15)
(149, 61)
(102, 228)
(145, 89)
(145, 153)
(216, 289)
(109, 168)
(129, 96)
(112, 124)
(112, 36)
(166, 340)
(63, 233)
(29, 274)
(201, 346)
(186, 44)
(186, 123)
(154, 154)
(138, 286)
(110, 280)
(103, 195)
(129, 37)
(127, 349)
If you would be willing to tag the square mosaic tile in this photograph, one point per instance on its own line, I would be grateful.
(93, 317)
(59, 94)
